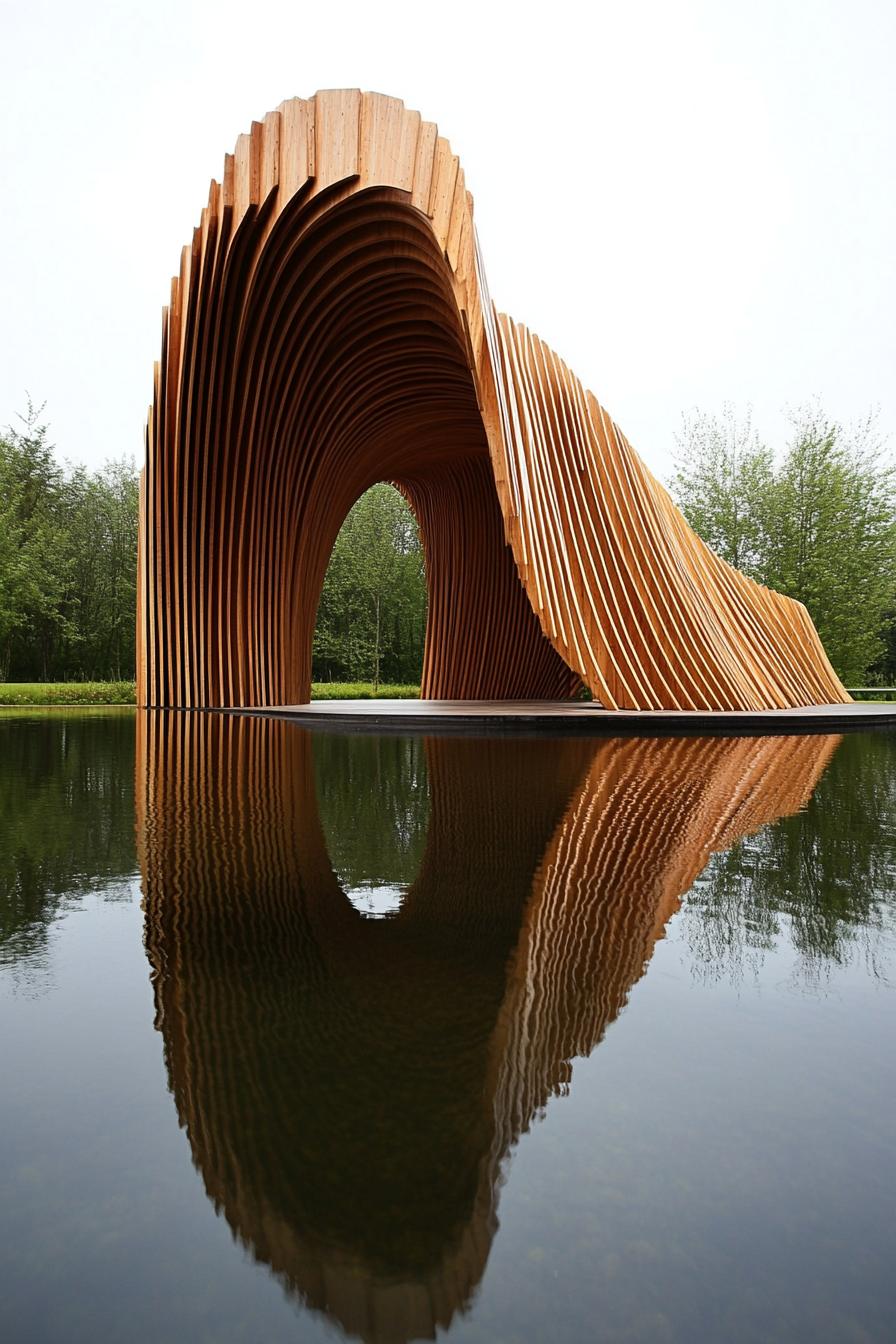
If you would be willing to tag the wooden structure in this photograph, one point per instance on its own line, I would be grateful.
(352, 1089)
(330, 328)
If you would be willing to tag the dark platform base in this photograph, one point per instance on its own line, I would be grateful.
(485, 717)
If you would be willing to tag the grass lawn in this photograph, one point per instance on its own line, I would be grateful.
(361, 690)
(30, 693)
(67, 693)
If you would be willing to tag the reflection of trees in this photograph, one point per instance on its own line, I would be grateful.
(66, 817)
(351, 1088)
(827, 874)
(372, 794)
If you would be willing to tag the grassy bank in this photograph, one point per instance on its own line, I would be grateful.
(28, 693)
(67, 693)
(361, 690)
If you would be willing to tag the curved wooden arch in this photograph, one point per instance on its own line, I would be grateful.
(331, 327)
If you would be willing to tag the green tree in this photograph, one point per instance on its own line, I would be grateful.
(723, 482)
(833, 525)
(820, 525)
(32, 579)
(372, 613)
(102, 537)
(68, 556)
(13, 566)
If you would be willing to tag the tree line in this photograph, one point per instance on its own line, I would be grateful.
(817, 521)
(68, 562)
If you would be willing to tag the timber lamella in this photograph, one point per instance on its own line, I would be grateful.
(331, 327)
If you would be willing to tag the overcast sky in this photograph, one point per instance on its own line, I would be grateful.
(692, 203)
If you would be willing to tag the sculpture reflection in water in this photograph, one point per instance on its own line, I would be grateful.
(351, 1087)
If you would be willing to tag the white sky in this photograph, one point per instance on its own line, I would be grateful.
(691, 202)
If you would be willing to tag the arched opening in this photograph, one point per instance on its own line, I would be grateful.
(349, 367)
(331, 328)
(370, 381)
(371, 618)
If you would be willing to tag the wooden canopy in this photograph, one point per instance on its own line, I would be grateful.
(330, 328)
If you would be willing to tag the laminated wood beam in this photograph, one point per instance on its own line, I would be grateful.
(330, 327)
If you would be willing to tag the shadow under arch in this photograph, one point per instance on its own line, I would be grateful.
(351, 1088)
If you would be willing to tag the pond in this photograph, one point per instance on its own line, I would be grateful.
(310, 1036)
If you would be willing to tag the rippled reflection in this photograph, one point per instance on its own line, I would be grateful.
(351, 1086)
(823, 880)
(66, 821)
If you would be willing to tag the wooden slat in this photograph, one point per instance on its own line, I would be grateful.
(331, 327)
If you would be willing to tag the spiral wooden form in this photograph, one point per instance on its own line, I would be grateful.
(330, 328)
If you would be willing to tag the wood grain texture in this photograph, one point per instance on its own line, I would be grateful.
(330, 327)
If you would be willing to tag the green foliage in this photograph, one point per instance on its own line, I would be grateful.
(31, 693)
(68, 548)
(820, 525)
(102, 541)
(362, 690)
(834, 538)
(723, 484)
(68, 693)
(371, 619)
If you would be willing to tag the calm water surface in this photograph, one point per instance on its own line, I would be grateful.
(312, 1037)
